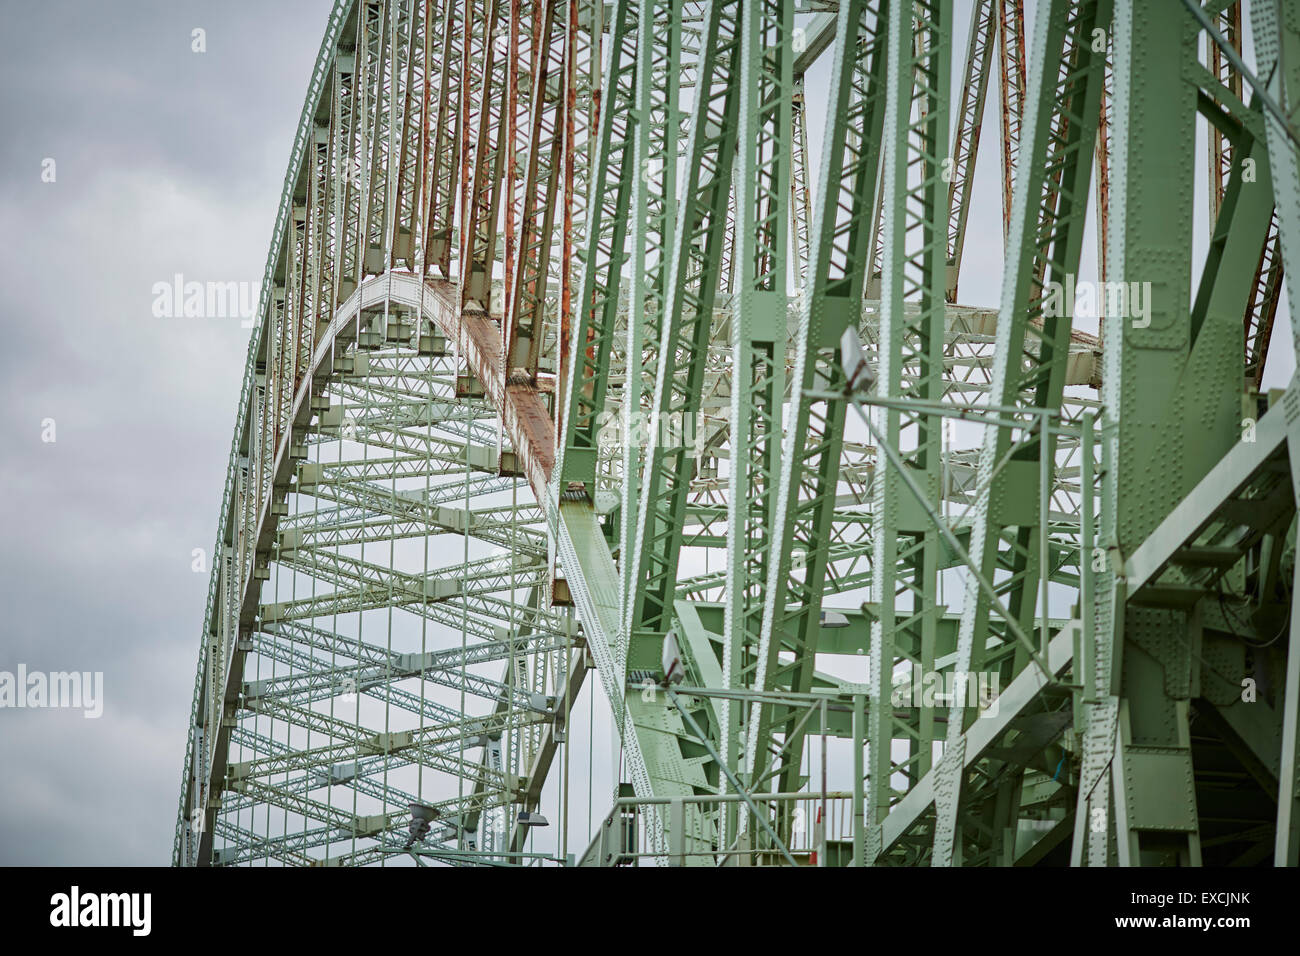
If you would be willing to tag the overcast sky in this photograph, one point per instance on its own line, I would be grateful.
(166, 161)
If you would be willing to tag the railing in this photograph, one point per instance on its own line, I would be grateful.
(817, 829)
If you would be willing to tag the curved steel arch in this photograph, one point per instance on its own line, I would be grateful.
(474, 337)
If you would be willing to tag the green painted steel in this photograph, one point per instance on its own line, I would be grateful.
(758, 340)
(915, 237)
(559, 370)
(812, 448)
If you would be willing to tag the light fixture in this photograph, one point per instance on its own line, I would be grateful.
(541, 703)
(857, 371)
(421, 816)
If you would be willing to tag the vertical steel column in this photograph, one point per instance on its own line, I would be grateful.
(1032, 352)
(604, 253)
(654, 223)
(814, 434)
(683, 331)
(1137, 730)
(1276, 28)
(959, 169)
(758, 335)
(907, 546)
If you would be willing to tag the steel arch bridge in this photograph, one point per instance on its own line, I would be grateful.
(559, 388)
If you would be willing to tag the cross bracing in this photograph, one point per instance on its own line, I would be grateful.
(595, 331)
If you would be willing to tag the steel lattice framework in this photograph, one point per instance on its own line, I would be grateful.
(560, 372)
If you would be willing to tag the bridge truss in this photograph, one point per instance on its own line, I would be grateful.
(575, 377)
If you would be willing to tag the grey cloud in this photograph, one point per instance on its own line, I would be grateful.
(167, 161)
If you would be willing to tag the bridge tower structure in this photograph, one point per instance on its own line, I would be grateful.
(611, 383)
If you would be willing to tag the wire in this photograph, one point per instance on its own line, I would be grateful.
(1230, 615)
